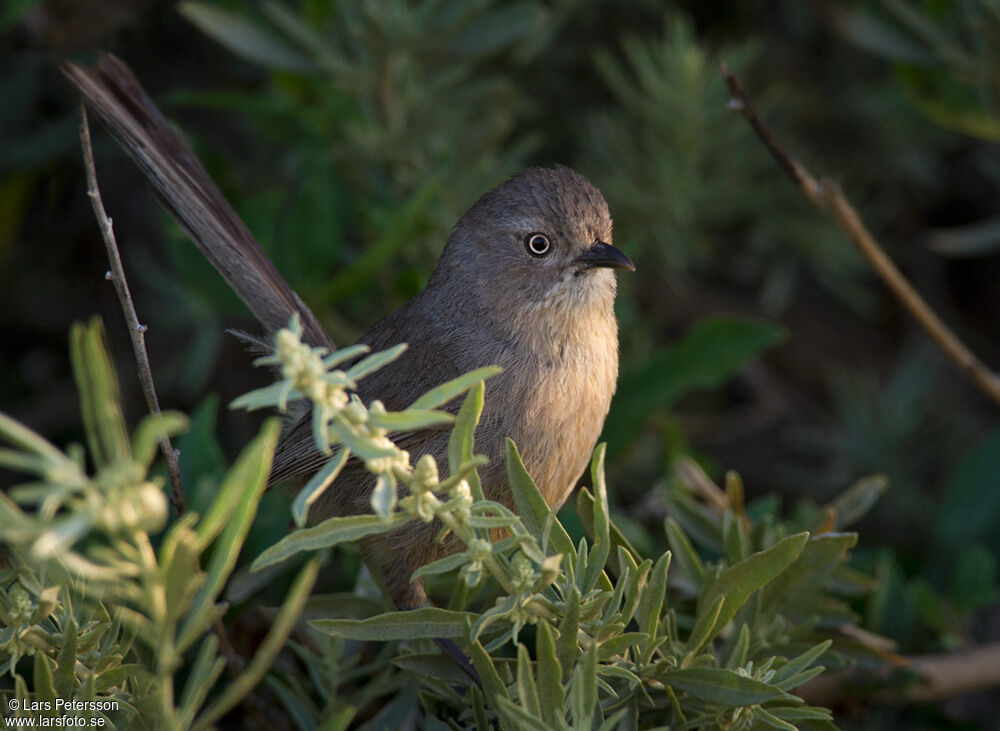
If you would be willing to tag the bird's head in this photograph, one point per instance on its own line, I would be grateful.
(538, 242)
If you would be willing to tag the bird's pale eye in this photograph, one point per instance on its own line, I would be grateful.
(538, 244)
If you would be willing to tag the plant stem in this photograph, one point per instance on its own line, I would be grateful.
(827, 196)
(136, 331)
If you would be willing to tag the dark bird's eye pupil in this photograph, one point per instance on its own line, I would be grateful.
(538, 244)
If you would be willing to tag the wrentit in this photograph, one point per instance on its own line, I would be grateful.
(526, 281)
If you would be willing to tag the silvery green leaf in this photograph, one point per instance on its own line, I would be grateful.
(651, 601)
(721, 686)
(344, 354)
(21, 436)
(532, 508)
(317, 486)
(583, 689)
(60, 535)
(281, 627)
(548, 573)
(739, 581)
(520, 717)
(410, 625)
(441, 566)
(602, 532)
(688, 560)
(853, 504)
(527, 691)
(791, 674)
(319, 433)
(708, 618)
(462, 439)
(550, 687)
(450, 389)
(328, 533)
(481, 521)
(383, 498)
(277, 393)
(374, 362)
(409, 420)
(250, 472)
(24, 461)
(360, 446)
(738, 655)
(204, 672)
(494, 688)
(432, 665)
(339, 379)
(498, 611)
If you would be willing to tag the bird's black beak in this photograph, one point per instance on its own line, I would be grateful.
(604, 255)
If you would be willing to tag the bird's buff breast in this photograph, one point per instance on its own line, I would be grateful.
(565, 406)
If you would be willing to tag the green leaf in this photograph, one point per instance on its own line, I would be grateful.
(21, 436)
(250, 472)
(409, 420)
(527, 690)
(651, 600)
(861, 497)
(721, 686)
(65, 675)
(738, 582)
(317, 485)
(566, 645)
(531, 506)
(45, 689)
(246, 40)
(688, 560)
(462, 438)
(426, 622)
(328, 533)
(802, 580)
(268, 650)
(375, 361)
(772, 721)
(583, 689)
(785, 677)
(100, 406)
(551, 693)
(441, 566)
(493, 687)
(585, 512)
(708, 356)
(383, 498)
(521, 718)
(455, 387)
(602, 532)
(432, 665)
(205, 671)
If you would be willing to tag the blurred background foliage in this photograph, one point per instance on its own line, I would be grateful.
(351, 135)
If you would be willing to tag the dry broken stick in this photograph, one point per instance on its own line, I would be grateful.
(136, 331)
(826, 195)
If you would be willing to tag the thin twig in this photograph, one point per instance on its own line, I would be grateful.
(136, 330)
(826, 195)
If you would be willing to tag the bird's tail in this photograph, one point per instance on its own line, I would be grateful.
(188, 193)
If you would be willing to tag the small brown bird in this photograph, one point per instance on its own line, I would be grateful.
(525, 282)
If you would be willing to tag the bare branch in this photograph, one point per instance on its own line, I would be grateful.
(136, 331)
(826, 195)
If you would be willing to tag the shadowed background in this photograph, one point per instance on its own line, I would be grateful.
(351, 136)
